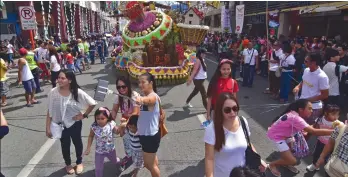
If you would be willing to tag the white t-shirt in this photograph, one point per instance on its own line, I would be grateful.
(126, 109)
(274, 66)
(42, 55)
(247, 54)
(312, 84)
(287, 61)
(9, 48)
(54, 62)
(232, 153)
(329, 69)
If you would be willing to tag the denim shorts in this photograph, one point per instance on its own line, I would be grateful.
(29, 86)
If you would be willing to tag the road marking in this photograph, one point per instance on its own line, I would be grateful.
(36, 159)
(211, 61)
(201, 118)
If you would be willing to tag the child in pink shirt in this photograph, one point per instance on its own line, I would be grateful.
(284, 127)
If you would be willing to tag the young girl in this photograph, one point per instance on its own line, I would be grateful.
(331, 115)
(137, 153)
(221, 82)
(102, 129)
(285, 126)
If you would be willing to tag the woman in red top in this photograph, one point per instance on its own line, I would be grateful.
(222, 81)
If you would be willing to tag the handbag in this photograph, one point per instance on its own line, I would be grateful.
(57, 128)
(298, 145)
(162, 127)
(279, 70)
(252, 159)
(335, 167)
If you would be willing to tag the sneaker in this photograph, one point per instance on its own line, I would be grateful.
(312, 167)
(206, 123)
(188, 105)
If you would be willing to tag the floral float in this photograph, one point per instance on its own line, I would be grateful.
(153, 42)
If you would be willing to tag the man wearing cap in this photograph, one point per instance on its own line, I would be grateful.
(26, 77)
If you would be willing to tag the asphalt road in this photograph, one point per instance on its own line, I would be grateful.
(181, 154)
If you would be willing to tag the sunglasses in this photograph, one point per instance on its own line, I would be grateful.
(121, 87)
(228, 110)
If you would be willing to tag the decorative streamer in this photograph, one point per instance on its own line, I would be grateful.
(73, 20)
(48, 18)
(67, 19)
(43, 19)
(81, 20)
(59, 17)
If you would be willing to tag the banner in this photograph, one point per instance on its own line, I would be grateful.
(273, 24)
(239, 18)
(225, 20)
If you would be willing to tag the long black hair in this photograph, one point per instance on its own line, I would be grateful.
(74, 87)
(129, 87)
(151, 78)
(295, 106)
(215, 78)
(198, 55)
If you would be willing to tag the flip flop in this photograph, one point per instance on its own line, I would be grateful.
(273, 172)
(292, 169)
(29, 105)
(3, 104)
(36, 102)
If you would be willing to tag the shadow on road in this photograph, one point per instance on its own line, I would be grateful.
(180, 115)
(191, 171)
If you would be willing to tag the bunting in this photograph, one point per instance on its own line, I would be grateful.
(67, 19)
(43, 19)
(59, 17)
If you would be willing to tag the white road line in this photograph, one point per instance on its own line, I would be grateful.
(201, 118)
(211, 60)
(36, 159)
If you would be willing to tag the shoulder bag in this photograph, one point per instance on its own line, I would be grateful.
(162, 127)
(252, 159)
(335, 167)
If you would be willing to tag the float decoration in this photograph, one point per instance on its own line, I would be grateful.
(153, 42)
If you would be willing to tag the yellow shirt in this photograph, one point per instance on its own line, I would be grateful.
(3, 70)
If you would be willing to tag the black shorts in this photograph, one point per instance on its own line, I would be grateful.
(150, 144)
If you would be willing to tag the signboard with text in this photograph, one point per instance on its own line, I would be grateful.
(27, 16)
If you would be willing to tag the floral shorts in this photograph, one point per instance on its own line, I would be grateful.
(137, 157)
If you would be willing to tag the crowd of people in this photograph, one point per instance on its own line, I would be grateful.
(315, 72)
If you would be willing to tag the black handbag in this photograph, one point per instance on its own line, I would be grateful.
(252, 159)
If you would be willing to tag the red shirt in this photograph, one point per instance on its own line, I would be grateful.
(69, 59)
(224, 85)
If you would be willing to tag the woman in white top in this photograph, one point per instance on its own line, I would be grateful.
(287, 64)
(54, 65)
(225, 141)
(127, 108)
(67, 106)
(198, 75)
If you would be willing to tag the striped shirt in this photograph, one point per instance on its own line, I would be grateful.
(135, 142)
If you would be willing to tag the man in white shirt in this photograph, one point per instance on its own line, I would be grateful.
(334, 72)
(274, 81)
(251, 63)
(315, 85)
(10, 53)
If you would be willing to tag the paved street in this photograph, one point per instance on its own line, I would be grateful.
(27, 150)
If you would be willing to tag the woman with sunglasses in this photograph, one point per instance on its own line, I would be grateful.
(225, 141)
(222, 81)
(128, 108)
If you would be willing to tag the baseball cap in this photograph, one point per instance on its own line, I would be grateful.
(22, 51)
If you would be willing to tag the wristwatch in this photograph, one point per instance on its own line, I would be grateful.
(85, 116)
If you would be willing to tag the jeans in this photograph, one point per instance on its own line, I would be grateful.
(77, 64)
(199, 87)
(70, 67)
(91, 56)
(285, 85)
(73, 133)
(99, 162)
(248, 75)
(10, 58)
(54, 77)
(319, 147)
(101, 56)
(36, 75)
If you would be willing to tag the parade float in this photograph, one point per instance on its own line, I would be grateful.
(154, 42)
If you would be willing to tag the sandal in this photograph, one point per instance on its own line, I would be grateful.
(79, 169)
(70, 170)
(29, 105)
(292, 169)
(3, 104)
(36, 102)
(275, 173)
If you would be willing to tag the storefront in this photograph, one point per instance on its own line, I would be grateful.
(9, 23)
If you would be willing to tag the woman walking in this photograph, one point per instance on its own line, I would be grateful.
(287, 64)
(148, 122)
(198, 76)
(54, 65)
(64, 117)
